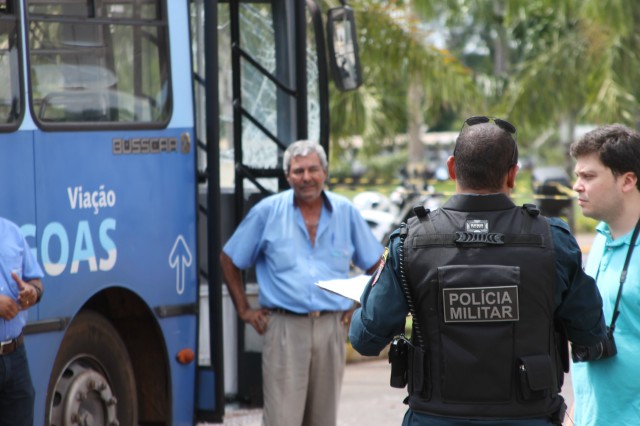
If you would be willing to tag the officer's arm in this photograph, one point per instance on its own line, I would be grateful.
(384, 308)
(578, 301)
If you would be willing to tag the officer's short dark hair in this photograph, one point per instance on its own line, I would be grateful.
(617, 147)
(483, 156)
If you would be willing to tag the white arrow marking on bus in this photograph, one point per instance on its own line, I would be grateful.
(180, 254)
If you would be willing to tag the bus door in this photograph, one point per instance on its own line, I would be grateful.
(273, 89)
(262, 72)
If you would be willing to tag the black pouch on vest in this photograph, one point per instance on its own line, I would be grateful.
(419, 375)
(535, 377)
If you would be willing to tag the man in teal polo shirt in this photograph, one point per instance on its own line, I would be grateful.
(608, 186)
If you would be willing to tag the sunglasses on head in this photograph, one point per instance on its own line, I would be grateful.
(503, 124)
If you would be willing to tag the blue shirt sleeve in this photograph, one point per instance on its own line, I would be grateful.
(243, 246)
(384, 308)
(578, 301)
(367, 247)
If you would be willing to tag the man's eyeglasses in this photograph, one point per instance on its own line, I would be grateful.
(503, 124)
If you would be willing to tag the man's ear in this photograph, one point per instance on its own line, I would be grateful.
(629, 181)
(450, 166)
(511, 176)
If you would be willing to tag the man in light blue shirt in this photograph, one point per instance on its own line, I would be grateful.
(607, 170)
(20, 289)
(296, 238)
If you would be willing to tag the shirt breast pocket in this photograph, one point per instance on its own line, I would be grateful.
(283, 255)
(340, 258)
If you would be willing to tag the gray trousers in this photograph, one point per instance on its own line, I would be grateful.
(303, 363)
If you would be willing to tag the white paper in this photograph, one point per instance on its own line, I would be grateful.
(351, 288)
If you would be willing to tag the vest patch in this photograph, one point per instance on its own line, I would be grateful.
(481, 304)
(381, 264)
(477, 225)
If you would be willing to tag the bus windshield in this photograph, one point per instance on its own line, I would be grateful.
(100, 62)
(10, 101)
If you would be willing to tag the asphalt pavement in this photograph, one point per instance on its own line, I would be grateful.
(367, 399)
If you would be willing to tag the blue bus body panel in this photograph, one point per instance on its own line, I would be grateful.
(112, 208)
(125, 220)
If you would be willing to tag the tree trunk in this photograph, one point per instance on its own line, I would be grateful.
(416, 166)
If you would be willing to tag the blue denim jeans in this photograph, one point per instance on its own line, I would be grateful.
(16, 389)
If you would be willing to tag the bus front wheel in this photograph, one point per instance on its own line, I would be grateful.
(92, 381)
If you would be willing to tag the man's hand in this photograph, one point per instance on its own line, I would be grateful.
(8, 308)
(346, 315)
(258, 318)
(28, 295)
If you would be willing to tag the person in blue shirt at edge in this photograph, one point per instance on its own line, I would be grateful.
(20, 289)
(494, 290)
(296, 238)
(607, 170)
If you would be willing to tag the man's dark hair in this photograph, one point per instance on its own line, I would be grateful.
(483, 156)
(617, 147)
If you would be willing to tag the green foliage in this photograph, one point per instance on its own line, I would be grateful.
(384, 166)
(395, 56)
(583, 224)
(542, 64)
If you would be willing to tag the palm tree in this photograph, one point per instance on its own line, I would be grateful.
(407, 80)
(583, 68)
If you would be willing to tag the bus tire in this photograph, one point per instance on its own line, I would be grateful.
(92, 380)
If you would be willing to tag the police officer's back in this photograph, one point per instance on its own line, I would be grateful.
(494, 290)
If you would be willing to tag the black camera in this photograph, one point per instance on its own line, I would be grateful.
(604, 349)
(398, 358)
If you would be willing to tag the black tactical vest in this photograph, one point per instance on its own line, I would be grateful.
(483, 284)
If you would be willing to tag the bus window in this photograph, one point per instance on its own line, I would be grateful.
(259, 93)
(313, 89)
(10, 101)
(99, 63)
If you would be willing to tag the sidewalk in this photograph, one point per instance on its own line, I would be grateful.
(367, 399)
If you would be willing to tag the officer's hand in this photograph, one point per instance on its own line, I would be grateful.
(8, 308)
(28, 294)
(258, 318)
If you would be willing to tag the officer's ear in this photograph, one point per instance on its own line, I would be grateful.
(511, 176)
(450, 166)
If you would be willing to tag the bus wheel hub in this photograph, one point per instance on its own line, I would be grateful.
(88, 400)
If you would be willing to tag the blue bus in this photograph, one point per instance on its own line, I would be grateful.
(133, 136)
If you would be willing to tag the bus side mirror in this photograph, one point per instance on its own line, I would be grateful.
(344, 57)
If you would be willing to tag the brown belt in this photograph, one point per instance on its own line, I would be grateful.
(312, 314)
(9, 346)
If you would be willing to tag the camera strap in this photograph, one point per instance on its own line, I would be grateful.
(623, 277)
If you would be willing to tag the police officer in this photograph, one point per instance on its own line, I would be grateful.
(494, 290)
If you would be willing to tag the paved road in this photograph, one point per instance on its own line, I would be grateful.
(367, 399)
